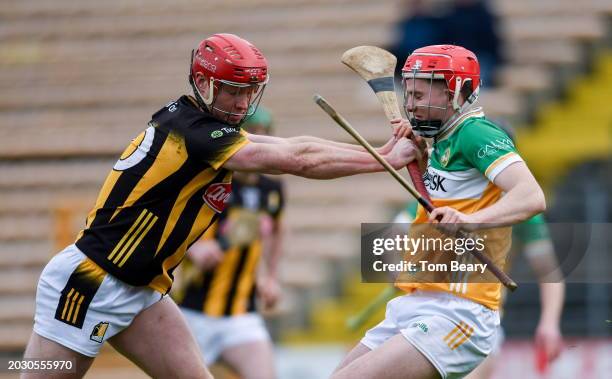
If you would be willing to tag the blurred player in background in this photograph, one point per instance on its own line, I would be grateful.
(169, 185)
(223, 273)
(476, 180)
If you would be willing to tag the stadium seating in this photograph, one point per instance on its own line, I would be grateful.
(73, 93)
(552, 147)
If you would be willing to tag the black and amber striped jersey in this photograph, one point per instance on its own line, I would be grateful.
(229, 289)
(165, 190)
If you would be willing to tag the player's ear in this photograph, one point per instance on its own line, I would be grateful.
(449, 97)
(201, 82)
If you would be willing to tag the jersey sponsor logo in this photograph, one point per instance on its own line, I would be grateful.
(219, 133)
(98, 332)
(217, 196)
(229, 130)
(494, 146)
(434, 182)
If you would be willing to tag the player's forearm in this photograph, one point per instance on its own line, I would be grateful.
(262, 138)
(520, 203)
(303, 139)
(340, 145)
(552, 296)
(319, 161)
(311, 139)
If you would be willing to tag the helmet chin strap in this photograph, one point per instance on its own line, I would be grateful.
(456, 105)
(209, 99)
(469, 101)
(204, 102)
(201, 99)
(426, 128)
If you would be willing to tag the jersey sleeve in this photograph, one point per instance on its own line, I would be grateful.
(215, 143)
(532, 230)
(488, 148)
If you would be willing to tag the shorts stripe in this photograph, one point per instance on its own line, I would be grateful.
(78, 293)
(66, 302)
(74, 317)
(461, 333)
(467, 333)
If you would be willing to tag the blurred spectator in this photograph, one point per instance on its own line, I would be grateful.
(467, 23)
(471, 24)
(418, 27)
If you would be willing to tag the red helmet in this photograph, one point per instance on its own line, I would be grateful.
(228, 60)
(456, 65)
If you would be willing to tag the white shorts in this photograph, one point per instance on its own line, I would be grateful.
(216, 334)
(79, 305)
(453, 333)
(500, 338)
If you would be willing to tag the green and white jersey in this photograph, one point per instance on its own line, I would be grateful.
(465, 161)
(461, 172)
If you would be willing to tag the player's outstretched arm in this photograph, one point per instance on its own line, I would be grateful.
(314, 160)
(386, 148)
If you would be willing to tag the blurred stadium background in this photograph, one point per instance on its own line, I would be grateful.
(79, 79)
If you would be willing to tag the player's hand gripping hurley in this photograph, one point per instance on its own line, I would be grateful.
(377, 67)
(499, 274)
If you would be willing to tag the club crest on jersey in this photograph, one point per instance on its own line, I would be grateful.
(98, 332)
(444, 158)
(217, 196)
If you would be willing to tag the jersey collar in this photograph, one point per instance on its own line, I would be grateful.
(472, 113)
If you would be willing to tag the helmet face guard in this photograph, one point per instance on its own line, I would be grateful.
(235, 71)
(457, 67)
(427, 127)
(252, 92)
(227, 111)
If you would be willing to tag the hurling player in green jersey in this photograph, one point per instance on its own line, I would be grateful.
(476, 180)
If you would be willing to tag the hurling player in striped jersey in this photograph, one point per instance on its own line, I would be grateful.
(167, 188)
